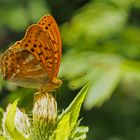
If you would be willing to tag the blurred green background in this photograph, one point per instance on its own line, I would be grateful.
(101, 44)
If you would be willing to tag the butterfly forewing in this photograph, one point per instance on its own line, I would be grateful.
(48, 24)
(38, 44)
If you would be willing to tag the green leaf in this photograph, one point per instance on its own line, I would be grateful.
(63, 128)
(75, 127)
(80, 133)
(103, 88)
(2, 138)
(74, 107)
(90, 23)
(9, 126)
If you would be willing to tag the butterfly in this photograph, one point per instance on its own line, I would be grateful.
(34, 61)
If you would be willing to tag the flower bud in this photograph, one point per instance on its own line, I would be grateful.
(45, 108)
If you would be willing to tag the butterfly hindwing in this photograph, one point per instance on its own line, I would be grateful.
(18, 65)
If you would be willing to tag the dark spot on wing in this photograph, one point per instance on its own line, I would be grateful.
(32, 49)
(49, 67)
(46, 48)
(56, 51)
(40, 53)
(26, 45)
(50, 62)
(34, 46)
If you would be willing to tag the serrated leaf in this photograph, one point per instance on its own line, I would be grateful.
(9, 125)
(75, 106)
(103, 88)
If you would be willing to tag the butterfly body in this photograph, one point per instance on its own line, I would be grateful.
(34, 61)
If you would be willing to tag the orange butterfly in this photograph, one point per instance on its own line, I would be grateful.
(34, 61)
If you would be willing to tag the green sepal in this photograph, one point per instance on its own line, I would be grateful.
(9, 126)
